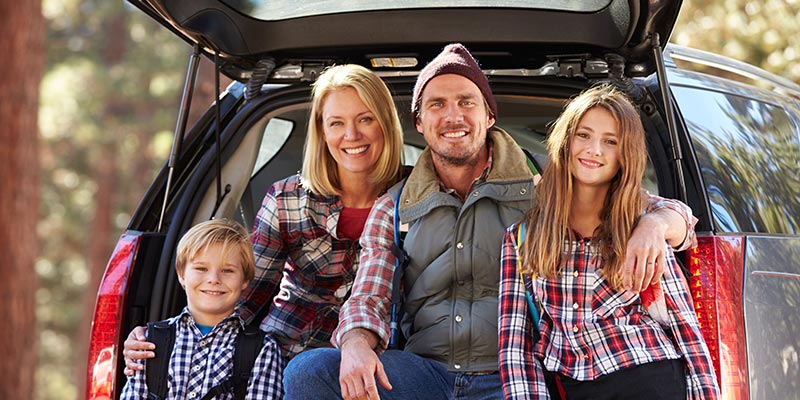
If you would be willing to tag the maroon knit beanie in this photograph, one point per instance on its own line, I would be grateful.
(454, 59)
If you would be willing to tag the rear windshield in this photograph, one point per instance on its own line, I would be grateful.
(285, 9)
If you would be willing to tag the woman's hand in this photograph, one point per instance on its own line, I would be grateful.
(137, 348)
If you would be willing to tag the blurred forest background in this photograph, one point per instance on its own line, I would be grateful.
(109, 82)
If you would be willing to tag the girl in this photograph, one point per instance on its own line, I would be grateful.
(599, 340)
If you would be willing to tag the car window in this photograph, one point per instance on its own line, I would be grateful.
(278, 10)
(749, 158)
(275, 135)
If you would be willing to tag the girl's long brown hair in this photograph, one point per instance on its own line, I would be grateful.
(547, 222)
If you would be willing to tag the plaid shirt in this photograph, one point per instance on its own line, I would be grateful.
(302, 267)
(198, 363)
(371, 303)
(589, 330)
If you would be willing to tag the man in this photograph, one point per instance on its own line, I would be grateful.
(470, 183)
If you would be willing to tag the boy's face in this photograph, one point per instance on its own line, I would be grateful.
(213, 282)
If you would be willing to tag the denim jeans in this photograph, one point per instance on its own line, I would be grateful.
(314, 374)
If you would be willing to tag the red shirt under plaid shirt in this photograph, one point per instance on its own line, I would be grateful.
(302, 268)
(588, 329)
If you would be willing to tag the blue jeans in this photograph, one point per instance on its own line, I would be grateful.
(314, 374)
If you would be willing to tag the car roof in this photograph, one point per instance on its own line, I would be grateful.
(404, 35)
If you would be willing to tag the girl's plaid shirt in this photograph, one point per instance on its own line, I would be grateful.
(589, 330)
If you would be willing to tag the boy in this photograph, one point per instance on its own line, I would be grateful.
(214, 264)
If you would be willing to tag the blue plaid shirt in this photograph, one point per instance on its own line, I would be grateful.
(198, 363)
(304, 271)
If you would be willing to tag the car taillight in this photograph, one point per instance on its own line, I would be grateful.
(717, 269)
(108, 318)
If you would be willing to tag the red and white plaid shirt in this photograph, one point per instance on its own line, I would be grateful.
(588, 329)
(303, 269)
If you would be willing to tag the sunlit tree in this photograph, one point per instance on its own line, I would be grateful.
(22, 30)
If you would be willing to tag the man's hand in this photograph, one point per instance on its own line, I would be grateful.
(360, 366)
(136, 348)
(645, 257)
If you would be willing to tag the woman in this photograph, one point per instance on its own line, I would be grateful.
(306, 232)
(600, 341)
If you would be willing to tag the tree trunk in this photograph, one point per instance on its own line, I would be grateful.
(105, 175)
(22, 30)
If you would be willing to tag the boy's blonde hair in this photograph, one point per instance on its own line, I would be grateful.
(230, 234)
(320, 172)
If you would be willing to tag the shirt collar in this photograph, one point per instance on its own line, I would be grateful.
(235, 317)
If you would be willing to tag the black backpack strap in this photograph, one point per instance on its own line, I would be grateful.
(400, 263)
(248, 345)
(536, 162)
(162, 334)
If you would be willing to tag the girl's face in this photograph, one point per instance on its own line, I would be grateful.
(595, 149)
(352, 133)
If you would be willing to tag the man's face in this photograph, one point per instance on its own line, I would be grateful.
(454, 119)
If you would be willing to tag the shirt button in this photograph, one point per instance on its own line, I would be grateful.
(585, 357)
(575, 328)
(459, 245)
(523, 191)
(202, 343)
(475, 193)
(458, 318)
(575, 274)
(457, 366)
(192, 395)
(196, 368)
(575, 306)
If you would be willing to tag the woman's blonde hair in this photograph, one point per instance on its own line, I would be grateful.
(320, 172)
(231, 235)
(548, 224)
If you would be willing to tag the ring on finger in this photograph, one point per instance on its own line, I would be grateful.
(651, 262)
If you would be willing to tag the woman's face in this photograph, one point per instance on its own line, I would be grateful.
(352, 133)
(595, 149)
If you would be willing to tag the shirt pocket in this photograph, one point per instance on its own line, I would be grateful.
(608, 303)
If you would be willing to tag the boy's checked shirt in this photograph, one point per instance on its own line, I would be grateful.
(198, 363)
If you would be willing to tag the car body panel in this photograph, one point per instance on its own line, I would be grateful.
(744, 148)
(519, 37)
(771, 302)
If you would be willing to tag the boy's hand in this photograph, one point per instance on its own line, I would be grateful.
(137, 348)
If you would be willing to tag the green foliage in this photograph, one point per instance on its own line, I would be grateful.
(764, 33)
(112, 84)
